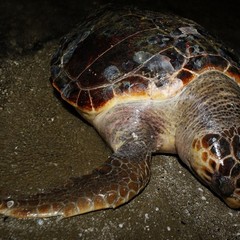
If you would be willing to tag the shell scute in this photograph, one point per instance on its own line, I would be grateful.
(59, 79)
(176, 59)
(101, 96)
(201, 63)
(84, 100)
(71, 92)
(85, 54)
(134, 85)
(186, 76)
(234, 72)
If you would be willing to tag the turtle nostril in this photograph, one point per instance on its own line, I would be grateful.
(223, 185)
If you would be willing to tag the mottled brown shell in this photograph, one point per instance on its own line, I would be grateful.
(128, 55)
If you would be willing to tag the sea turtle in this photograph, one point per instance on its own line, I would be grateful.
(148, 82)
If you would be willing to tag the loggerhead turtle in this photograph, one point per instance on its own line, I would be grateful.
(148, 82)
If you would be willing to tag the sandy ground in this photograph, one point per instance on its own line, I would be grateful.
(43, 142)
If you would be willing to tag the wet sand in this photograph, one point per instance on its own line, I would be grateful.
(44, 142)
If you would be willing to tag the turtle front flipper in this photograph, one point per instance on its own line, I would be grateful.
(114, 183)
(208, 136)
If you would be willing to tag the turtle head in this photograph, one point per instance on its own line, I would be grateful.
(210, 129)
(215, 159)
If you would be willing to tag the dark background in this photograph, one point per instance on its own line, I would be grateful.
(27, 25)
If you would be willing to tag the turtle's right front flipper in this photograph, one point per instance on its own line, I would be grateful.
(116, 182)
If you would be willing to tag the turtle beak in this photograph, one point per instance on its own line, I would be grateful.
(227, 188)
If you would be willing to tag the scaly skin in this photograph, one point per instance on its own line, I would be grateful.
(117, 181)
(205, 120)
